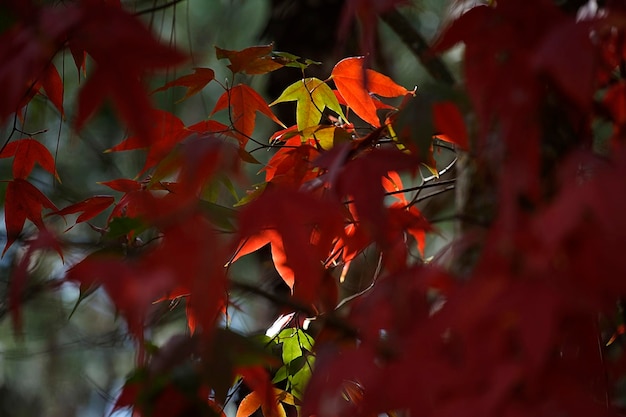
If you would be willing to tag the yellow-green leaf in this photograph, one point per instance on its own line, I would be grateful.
(327, 136)
(312, 96)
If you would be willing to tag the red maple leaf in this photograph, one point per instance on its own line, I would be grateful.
(361, 179)
(25, 153)
(132, 287)
(26, 50)
(52, 84)
(292, 164)
(23, 202)
(292, 220)
(89, 208)
(166, 131)
(356, 84)
(194, 82)
(449, 124)
(123, 185)
(243, 103)
(119, 78)
(268, 236)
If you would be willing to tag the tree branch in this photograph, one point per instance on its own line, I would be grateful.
(159, 7)
(418, 45)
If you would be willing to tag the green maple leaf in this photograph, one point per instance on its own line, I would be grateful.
(313, 96)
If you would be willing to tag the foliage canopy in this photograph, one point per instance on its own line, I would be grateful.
(520, 314)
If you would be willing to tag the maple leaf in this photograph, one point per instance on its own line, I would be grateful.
(243, 103)
(194, 82)
(191, 253)
(399, 306)
(356, 83)
(210, 126)
(80, 60)
(89, 208)
(405, 218)
(253, 401)
(284, 134)
(253, 60)
(23, 202)
(292, 163)
(52, 84)
(313, 96)
(186, 261)
(132, 287)
(362, 179)
(270, 236)
(508, 62)
(292, 220)
(449, 124)
(167, 130)
(393, 185)
(26, 51)
(326, 136)
(123, 184)
(27, 152)
(424, 117)
(119, 78)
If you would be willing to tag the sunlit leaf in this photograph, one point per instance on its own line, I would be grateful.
(244, 103)
(312, 96)
(356, 84)
(253, 60)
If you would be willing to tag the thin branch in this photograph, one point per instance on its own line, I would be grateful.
(421, 187)
(460, 217)
(159, 7)
(443, 190)
(346, 300)
(418, 45)
(443, 171)
(328, 318)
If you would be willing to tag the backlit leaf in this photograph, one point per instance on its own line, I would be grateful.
(249, 405)
(252, 60)
(313, 96)
(291, 348)
(244, 103)
(326, 136)
(449, 122)
(348, 76)
(166, 131)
